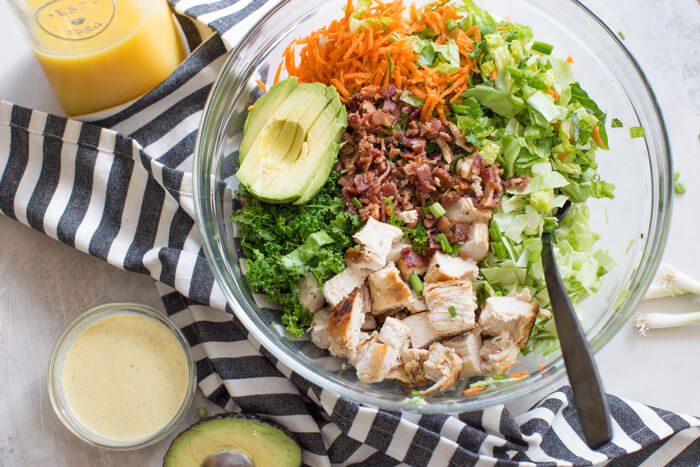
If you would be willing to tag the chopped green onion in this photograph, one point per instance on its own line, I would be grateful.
(202, 412)
(678, 187)
(499, 249)
(622, 35)
(357, 203)
(451, 24)
(444, 243)
(542, 47)
(416, 283)
(453, 311)
(455, 249)
(391, 63)
(637, 132)
(437, 210)
(616, 123)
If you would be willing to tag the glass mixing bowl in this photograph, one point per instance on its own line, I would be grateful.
(634, 225)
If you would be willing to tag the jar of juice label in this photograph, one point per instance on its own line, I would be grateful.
(101, 53)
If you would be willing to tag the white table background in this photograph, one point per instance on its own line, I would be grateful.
(44, 284)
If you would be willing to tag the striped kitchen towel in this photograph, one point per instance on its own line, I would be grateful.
(119, 188)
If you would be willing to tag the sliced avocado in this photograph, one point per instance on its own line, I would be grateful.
(340, 121)
(262, 110)
(299, 139)
(233, 440)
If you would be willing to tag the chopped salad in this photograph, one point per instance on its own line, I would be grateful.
(420, 257)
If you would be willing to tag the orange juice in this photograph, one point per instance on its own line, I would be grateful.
(100, 53)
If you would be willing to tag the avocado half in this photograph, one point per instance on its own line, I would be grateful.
(233, 440)
(291, 140)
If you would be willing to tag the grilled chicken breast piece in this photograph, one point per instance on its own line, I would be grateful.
(310, 295)
(467, 346)
(375, 360)
(344, 326)
(389, 292)
(408, 217)
(377, 238)
(444, 267)
(319, 328)
(443, 366)
(410, 371)
(477, 245)
(464, 210)
(416, 304)
(510, 317)
(422, 333)
(395, 252)
(360, 257)
(395, 333)
(498, 354)
(452, 305)
(341, 285)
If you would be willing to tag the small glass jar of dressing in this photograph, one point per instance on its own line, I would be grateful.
(121, 376)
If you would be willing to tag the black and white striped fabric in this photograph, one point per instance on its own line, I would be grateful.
(119, 188)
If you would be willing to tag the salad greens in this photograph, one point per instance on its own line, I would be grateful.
(539, 124)
(286, 242)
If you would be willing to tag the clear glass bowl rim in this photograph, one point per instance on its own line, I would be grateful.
(215, 113)
(53, 378)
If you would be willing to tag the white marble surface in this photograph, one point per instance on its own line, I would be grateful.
(44, 285)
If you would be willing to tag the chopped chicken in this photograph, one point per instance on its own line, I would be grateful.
(411, 262)
(395, 333)
(341, 285)
(442, 366)
(467, 346)
(465, 211)
(377, 238)
(408, 217)
(344, 326)
(452, 305)
(510, 317)
(445, 150)
(389, 291)
(319, 328)
(375, 360)
(422, 333)
(464, 167)
(498, 354)
(477, 245)
(416, 304)
(444, 267)
(395, 252)
(366, 298)
(360, 257)
(410, 372)
(370, 323)
(310, 295)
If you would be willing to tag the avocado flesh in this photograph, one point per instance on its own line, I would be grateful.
(262, 441)
(337, 129)
(262, 110)
(272, 170)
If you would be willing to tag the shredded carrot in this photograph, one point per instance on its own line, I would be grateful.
(261, 85)
(278, 73)
(552, 93)
(569, 59)
(250, 107)
(474, 390)
(563, 155)
(380, 52)
(519, 375)
(541, 367)
(596, 135)
(493, 75)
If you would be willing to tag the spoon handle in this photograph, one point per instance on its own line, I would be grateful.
(589, 396)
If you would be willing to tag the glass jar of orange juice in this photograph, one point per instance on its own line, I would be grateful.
(100, 53)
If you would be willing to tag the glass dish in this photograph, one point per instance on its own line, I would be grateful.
(634, 225)
(58, 356)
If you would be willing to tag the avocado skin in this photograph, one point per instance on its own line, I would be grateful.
(286, 440)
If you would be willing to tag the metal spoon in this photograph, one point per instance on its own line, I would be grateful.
(589, 396)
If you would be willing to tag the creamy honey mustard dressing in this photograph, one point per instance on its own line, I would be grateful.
(125, 377)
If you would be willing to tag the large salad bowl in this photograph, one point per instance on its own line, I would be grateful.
(633, 225)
